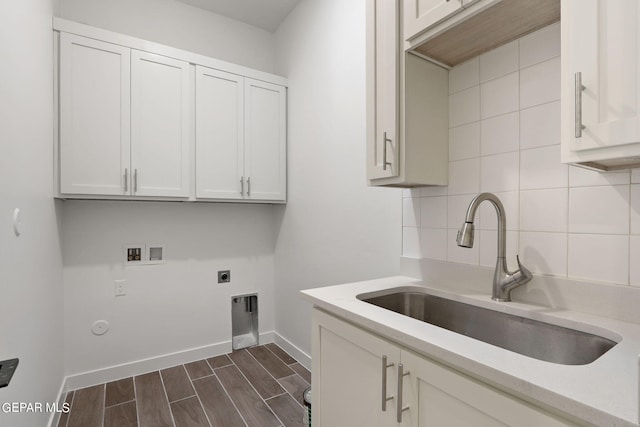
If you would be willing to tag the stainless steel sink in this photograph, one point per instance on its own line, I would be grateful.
(528, 337)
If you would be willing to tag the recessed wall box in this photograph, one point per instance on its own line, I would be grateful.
(134, 253)
(155, 253)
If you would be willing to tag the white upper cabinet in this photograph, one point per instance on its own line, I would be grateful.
(94, 116)
(407, 107)
(422, 14)
(160, 122)
(601, 83)
(240, 137)
(384, 76)
(265, 113)
(219, 134)
(143, 121)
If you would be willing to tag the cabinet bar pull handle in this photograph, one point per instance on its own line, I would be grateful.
(135, 180)
(384, 152)
(126, 180)
(578, 92)
(241, 184)
(400, 408)
(385, 399)
(249, 186)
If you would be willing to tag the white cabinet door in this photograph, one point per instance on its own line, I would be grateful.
(265, 115)
(348, 377)
(219, 134)
(160, 123)
(439, 396)
(94, 116)
(383, 145)
(601, 42)
(422, 14)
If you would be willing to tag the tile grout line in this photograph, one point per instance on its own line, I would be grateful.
(167, 397)
(135, 396)
(119, 404)
(225, 389)
(253, 387)
(196, 393)
(276, 379)
(294, 374)
(104, 402)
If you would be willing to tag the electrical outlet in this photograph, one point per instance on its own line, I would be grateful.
(224, 276)
(119, 287)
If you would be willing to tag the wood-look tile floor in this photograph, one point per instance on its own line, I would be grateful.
(256, 387)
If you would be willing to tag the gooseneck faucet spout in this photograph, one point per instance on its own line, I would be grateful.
(503, 280)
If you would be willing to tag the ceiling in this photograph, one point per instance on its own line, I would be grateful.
(265, 14)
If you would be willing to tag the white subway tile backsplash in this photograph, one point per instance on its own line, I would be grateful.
(434, 212)
(434, 190)
(411, 212)
(498, 62)
(499, 96)
(488, 240)
(464, 142)
(464, 107)
(500, 172)
(433, 243)
(599, 210)
(500, 134)
(540, 45)
(581, 177)
(411, 192)
(599, 257)
(540, 125)
(461, 255)
(544, 210)
(634, 256)
(464, 176)
(540, 83)
(541, 168)
(504, 136)
(634, 210)
(411, 242)
(544, 253)
(488, 219)
(464, 76)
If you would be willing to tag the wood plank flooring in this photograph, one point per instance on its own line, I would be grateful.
(257, 387)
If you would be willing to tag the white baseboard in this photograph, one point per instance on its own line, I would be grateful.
(139, 367)
(55, 415)
(293, 350)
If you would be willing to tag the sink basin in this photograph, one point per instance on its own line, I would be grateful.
(539, 340)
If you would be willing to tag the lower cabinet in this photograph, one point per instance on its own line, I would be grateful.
(355, 371)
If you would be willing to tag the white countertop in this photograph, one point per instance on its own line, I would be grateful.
(603, 393)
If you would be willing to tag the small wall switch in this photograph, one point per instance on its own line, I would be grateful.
(119, 287)
(224, 276)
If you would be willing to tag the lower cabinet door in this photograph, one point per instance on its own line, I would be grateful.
(348, 379)
(439, 396)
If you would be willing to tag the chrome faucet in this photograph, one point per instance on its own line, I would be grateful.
(503, 280)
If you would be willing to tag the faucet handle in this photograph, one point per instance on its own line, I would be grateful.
(524, 270)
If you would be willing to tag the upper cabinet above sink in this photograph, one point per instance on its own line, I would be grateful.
(457, 30)
(601, 83)
(411, 44)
